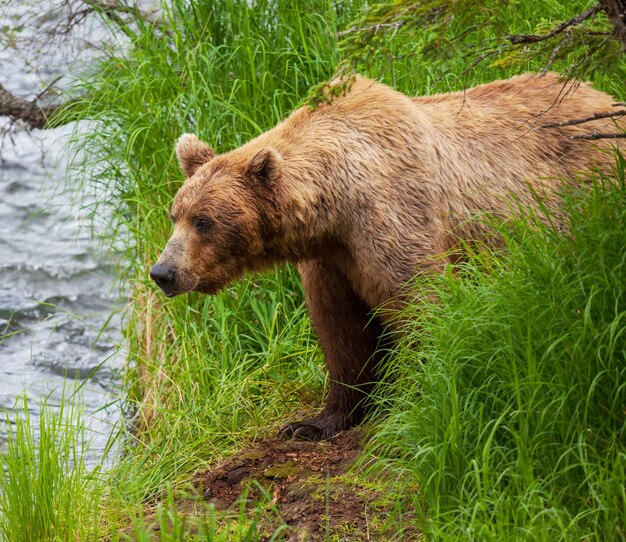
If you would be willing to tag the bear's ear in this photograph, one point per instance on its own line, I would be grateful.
(265, 166)
(192, 153)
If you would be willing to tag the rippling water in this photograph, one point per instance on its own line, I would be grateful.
(56, 294)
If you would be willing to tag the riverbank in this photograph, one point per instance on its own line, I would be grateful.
(59, 309)
(210, 378)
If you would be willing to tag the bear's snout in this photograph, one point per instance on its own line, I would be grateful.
(165, 277)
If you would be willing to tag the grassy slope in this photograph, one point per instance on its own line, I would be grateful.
(217, 371)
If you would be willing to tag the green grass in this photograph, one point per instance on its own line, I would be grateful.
(476, 426)
(509, 401)
(202, 522)
(46, 491)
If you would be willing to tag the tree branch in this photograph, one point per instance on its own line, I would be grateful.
(595, 116)
(28, 111)
(616, 12)
(124, 15)
(574, 21)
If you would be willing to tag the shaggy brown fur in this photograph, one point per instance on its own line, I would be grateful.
(365, 192)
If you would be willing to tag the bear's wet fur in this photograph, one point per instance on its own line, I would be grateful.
(366, 191)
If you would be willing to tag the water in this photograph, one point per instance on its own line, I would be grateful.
(56, 290)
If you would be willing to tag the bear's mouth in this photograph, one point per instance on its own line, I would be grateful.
(171, 292)
(211, 288)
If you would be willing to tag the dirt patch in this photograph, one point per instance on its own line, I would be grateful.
(303, 480)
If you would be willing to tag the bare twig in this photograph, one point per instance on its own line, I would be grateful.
(375, 27)
(479, 59)
(595, 116)
(111, 10)
(599, 135)
(115, 9)
(556, 51)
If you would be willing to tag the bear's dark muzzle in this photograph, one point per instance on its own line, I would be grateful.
(165, 277)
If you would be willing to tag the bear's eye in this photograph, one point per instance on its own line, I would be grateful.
(202, 224)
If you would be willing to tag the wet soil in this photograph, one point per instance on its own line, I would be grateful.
(306, 487)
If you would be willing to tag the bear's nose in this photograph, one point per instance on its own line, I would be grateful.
(164, 275)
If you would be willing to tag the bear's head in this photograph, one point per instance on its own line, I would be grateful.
(224, 218)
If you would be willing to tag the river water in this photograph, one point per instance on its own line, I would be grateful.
(59, 309)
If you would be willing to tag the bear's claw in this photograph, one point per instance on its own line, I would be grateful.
(302, 431)
(321, 427)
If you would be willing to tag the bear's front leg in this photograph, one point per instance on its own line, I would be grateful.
(349, 337)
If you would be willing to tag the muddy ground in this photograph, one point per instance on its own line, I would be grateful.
(304, 488)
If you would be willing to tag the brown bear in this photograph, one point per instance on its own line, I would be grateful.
(365, 192)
